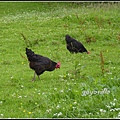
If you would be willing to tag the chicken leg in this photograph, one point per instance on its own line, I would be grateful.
(34, 77)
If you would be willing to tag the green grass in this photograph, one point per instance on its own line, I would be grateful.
(84, 86)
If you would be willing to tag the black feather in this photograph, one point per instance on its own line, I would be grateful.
(39, 63)
(74, 46)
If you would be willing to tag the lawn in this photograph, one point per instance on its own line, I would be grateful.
(86, 85)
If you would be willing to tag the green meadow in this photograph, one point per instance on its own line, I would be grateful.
(86, 85)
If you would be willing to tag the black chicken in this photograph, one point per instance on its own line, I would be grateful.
(74, 46)
(39, 63)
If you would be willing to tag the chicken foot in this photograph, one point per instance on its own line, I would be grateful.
(35, 77)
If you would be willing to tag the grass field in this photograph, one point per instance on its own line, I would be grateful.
(86, 85)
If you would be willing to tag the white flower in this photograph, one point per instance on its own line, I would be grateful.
(55, 88)
(119, 114)
(116, 109)
(13, 94)
(101, 110)
(1, 102)
(104, 111)
(35, 89)
(1, 115)
(109, 72)
(75, 103)
(19, 96)
(55, 114)
(49, 110)
(74, 107)
(97, 113)
(90, 113)
(61, 91)
(108, 106)
(58, 106)
(113, 104)
(59, 114)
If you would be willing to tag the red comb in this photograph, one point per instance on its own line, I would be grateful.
(58, 63)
